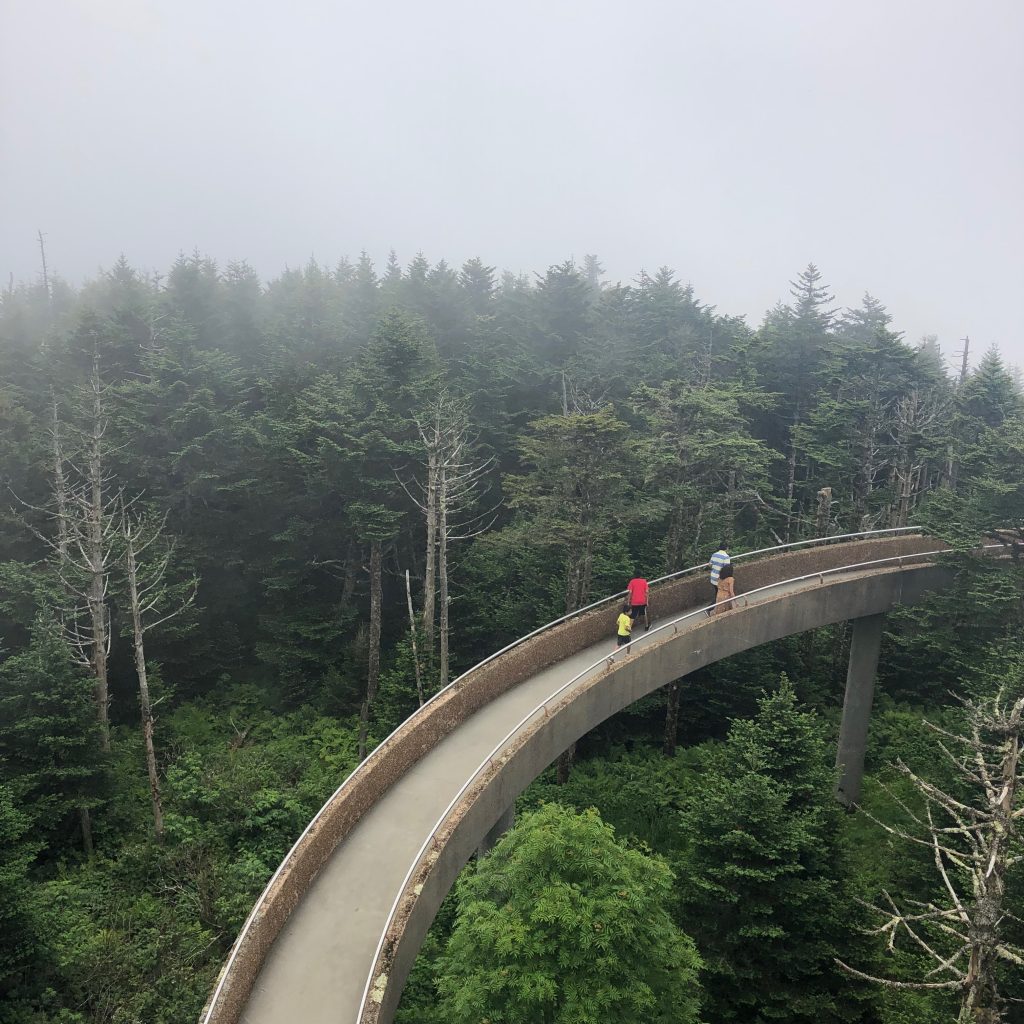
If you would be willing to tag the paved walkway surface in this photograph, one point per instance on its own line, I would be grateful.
(317, 968)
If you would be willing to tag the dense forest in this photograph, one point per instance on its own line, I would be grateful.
(247, 526)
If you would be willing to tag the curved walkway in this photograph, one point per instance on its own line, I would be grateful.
(338, 947)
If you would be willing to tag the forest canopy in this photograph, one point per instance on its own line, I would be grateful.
(247, 527)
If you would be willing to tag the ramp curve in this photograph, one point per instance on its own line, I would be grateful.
(336, 931)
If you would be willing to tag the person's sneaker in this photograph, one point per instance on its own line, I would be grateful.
(647, 628)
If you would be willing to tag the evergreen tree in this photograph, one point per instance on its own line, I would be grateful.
(761, 881)
(19, 940)
(579, 493)
(562, 307)
(702, 460)
(48, 745)
(795, 349)
(991, 395)
(477, 283)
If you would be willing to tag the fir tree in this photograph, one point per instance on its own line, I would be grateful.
(760, 885)
(48, 744)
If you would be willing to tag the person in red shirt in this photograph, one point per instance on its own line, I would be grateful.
(638, 590)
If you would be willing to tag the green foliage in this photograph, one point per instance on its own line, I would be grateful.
(639, 793)
(934, 645)
(761, 879)
(561, 923)
(580, 493)
(48, 735)
(19, 938)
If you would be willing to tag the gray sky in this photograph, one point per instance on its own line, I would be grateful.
(734, 140)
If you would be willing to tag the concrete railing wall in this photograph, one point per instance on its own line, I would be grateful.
(422, 731)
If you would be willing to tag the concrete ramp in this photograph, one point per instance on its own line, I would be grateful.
(335, 934)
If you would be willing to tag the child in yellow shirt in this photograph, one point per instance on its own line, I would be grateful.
(625, 624)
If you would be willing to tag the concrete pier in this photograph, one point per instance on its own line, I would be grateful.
(860, 692)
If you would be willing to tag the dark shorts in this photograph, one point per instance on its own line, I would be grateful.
(637, 610)
(623, 640)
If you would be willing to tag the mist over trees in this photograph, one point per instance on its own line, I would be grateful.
(215, 489)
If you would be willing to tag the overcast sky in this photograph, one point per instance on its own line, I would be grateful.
(733, 140)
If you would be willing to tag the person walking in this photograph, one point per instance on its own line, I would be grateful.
(719, 559)
(638, 590)
(726, 592)
(625, 624)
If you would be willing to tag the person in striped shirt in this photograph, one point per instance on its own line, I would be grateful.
(718, 559)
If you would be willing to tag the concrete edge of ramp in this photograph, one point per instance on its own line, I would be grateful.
(538, 743)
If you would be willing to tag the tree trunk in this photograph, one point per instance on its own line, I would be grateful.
(674, 540)
(824, 511)
(147, 731)
(97, 599)
(100, 625)
(60, 491)
(564, 766)
(373, 660)
(981, 996)
(430, 569)
(85, 821)
(412, 637)
(905, 477)
(145, 706)
(586, 572)
(790, 485)
(671, 718)
(442, 568)
(698, 529)
(948, 481)
(571, 581)
(348, 583)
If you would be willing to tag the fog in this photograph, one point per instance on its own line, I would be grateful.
(734, 142)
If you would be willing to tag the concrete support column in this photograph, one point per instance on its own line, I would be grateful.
(500, 827)
(860, 690)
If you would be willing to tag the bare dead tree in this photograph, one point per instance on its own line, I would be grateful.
(973, 842)
(412, 637)
(60, 486)
(965, 362)
(61, 548)
(83, 517)
(431, 437)
(914, 417)
(447, 498)
(92, 531)
(46, 271)
(824, 511)
(871, 458)
(146, 556)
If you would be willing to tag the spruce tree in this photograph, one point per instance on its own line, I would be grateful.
(761, 881)
(48, 744)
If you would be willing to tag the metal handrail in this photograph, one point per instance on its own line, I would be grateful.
(458, 679)
(604, 660)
